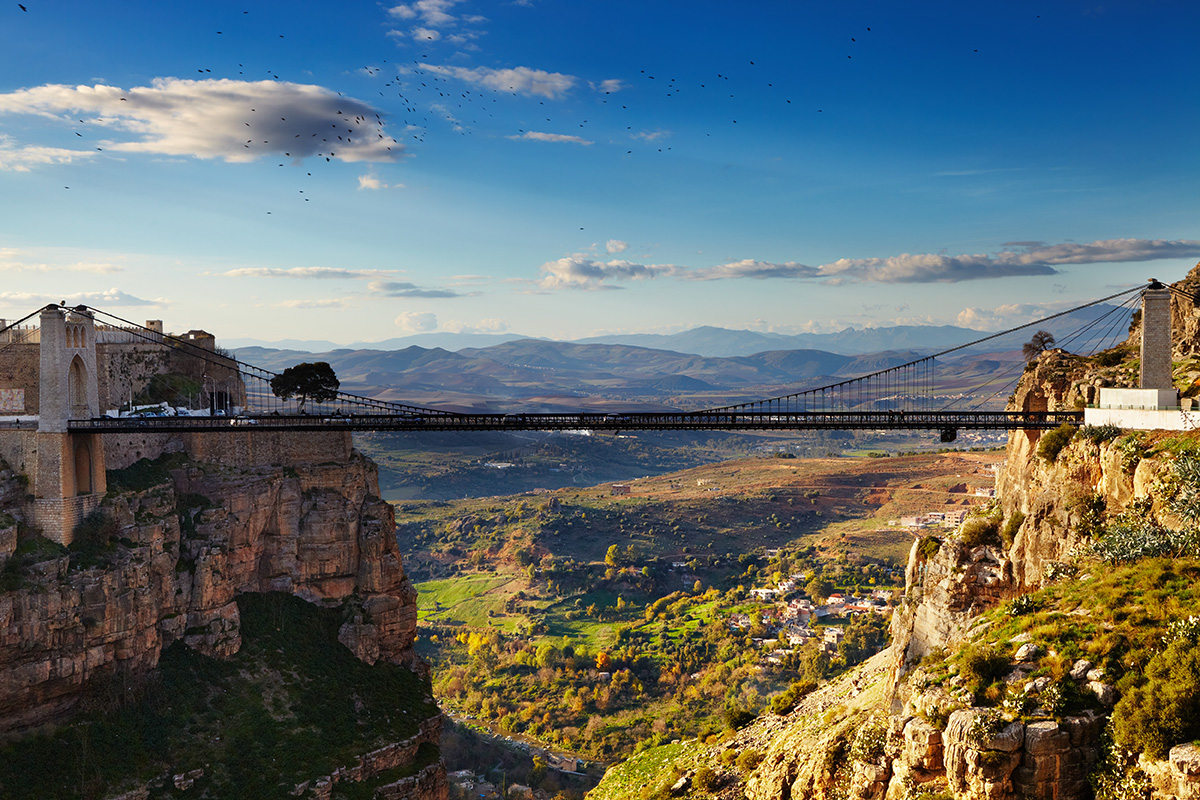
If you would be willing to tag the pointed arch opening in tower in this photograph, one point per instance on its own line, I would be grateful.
(83, 468)
(77, 389)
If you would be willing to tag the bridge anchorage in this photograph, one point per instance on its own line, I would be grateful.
(70, 383)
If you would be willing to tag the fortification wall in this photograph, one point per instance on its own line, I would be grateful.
(19, 369)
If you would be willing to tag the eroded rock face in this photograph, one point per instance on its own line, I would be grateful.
(193, 545)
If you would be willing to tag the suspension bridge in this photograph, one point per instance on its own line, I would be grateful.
(70, 382)
(236, 395)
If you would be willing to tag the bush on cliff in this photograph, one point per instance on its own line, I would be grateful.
(1054, 441)
(980, 665)
(1165, 710)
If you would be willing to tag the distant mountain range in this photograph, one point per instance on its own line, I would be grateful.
(539, 374)
(711, 341)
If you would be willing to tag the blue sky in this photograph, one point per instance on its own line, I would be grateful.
(567, 168)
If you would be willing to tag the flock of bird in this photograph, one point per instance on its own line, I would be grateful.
(436, 99)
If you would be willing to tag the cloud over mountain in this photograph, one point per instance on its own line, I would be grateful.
(582, 272)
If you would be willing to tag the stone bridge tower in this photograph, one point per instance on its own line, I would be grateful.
(69, 480)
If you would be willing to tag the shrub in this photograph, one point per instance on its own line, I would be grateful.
(1129, 541)
(1054, 441)
(749, 759)
(706, 780)
(1012, 525)
(785, 702)
(868, 744)
(736, 718)
(1110, 358)
(1098, 434)
(928, 547)
(1165, 710)
(1022, 605)
(979, 530)
(980, 665)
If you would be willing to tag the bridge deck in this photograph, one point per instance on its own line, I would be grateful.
(730, 421)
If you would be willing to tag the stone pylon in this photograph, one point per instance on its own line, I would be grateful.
(69, 481)
(1156, 338)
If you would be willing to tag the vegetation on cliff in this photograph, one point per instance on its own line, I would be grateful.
(294, 704)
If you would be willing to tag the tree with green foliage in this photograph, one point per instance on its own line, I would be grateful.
(316, 381)
(819, 588)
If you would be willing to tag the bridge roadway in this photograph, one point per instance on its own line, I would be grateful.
(664, 421)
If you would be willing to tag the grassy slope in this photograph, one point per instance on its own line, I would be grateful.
(292, 705)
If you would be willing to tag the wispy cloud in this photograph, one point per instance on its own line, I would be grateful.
(616, 246)
(305, 273)
(106, 298)
(326, 303)
(1029, 258)
(520, 80)
(371, 182)
(405, 289)
(233, 120)
(609, 86)
(579, 271)
(17, 158)
(750, 268)
(14, 260)
(538, 136)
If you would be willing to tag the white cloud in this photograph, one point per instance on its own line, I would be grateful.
(610, 85)
(431, 12)
(14, 260)
(229, 119)
(490, 325)
(581, 272)
(417, 321)
(1009, 315)
(616, 246)
(302, 272)
(14, 158)
(650, 136)
(328, 303)
(372, 182)
(425, 34)
(103, 299)
(537, 136)
(521, 80)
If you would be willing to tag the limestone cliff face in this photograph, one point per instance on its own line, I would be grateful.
(189, 546)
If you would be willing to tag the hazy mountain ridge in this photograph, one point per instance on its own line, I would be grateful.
(715, 342)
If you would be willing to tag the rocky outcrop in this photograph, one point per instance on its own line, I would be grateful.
(187, 548)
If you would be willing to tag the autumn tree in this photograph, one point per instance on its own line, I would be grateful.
(316, 382)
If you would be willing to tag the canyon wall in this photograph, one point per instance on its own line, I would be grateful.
(188, 545)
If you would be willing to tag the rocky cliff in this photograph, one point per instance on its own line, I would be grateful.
(962, 707)
(165, 560)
